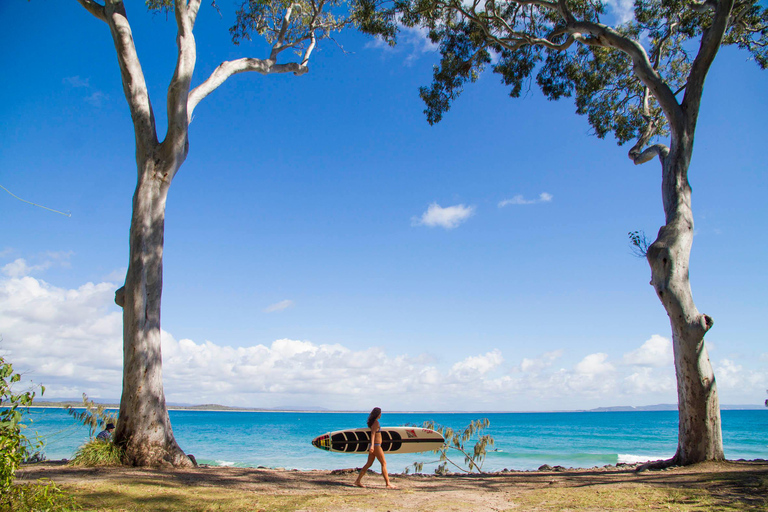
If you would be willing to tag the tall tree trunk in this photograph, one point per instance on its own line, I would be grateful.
(144, 428)
(700, 436)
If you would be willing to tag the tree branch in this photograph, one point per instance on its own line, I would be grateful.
(178, 89)
(704, 6)
(233, 67)
(641, 66)
(311, 47)
(192, 9)
(95, 9)
(711, 40)
(134, 85)
(659, 150)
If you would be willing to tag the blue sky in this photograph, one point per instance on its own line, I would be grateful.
(305, 259)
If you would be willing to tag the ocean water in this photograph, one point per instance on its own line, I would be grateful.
(523, 441)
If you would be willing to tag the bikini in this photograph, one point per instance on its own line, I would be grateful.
(377, 444)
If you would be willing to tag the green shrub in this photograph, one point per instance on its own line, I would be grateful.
(98, 453)
(39, 497)
(94, 416)
(14, 446)
(473, 459)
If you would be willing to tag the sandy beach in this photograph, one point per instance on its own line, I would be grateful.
(731, 485)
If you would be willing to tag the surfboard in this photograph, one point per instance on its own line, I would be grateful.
(393, 440)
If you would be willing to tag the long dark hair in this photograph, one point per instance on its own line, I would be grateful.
(375, 413)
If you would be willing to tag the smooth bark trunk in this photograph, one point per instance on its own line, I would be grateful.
(144, 429)
(700, 436)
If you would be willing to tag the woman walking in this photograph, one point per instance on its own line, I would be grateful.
(374, 450)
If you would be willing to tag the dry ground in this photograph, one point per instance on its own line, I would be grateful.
(710, 486)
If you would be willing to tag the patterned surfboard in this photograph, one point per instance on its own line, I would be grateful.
(393, 440)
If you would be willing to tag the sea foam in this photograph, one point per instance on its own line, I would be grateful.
(628, 458)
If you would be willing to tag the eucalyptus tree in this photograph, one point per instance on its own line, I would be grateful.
(640, 80)
(292, 28)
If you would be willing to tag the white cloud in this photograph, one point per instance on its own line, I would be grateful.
(415, 41)
(538, 364)
(19, 268)
(70, 340)
(733, 376)
(477, 366)
(650, 380)
(594, 365)
(448, 218)
(544, 197)
(623, 9)
(58, 335)
(655, 352)
(279, 306)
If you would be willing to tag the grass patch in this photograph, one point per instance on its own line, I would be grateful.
(42, 496)
(98, 453)
(137, 497)
(627, 497)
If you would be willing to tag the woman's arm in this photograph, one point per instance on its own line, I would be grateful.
(374, 429)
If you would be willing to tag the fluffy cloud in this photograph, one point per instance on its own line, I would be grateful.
(594, 365)
(732, 376)
(622, 9)
(656, 352)
(540, 363)
(19, 268)
(648, 380)
(415, 41)
(448, 218)
(477, 366)
(62, 336)
(71, 341)
(544, 197)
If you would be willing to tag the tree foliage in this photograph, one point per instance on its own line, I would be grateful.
(94, 416)
(290, 27)
(456, 440)
(572, 50)
(635, 80)
(14, 446)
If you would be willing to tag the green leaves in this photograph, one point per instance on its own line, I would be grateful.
(94, 416)
(566, 48)
(290, 23)
(456, 440)
(14, 446)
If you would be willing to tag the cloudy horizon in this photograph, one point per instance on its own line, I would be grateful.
(70, 340)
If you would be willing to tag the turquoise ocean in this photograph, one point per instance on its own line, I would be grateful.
(524, 441)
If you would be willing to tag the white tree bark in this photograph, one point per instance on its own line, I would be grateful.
(700, 434)
(700, 431)
(144, 428)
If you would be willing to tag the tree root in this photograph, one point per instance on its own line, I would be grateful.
(657, 465)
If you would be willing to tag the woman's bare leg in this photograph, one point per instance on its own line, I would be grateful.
(368, 464)
(380, 455)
